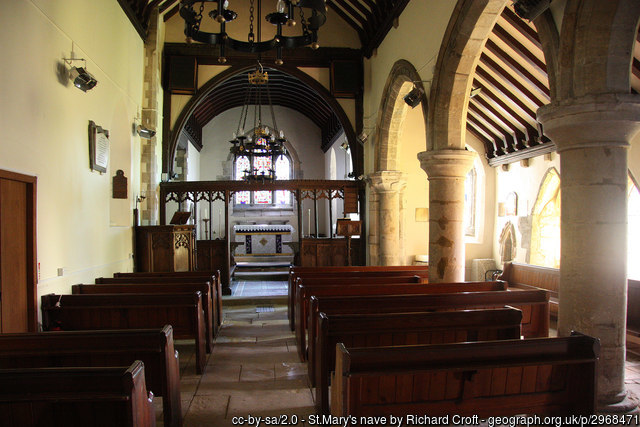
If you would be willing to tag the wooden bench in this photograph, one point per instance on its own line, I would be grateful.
(103, 348)
(378, 330)
(76, 397)
(533, 304)
(555, 376)
(129, 311)
(344, 281)
(360, 288)
(525, 276)
(216, 291)
(160, 288)
(353, 271)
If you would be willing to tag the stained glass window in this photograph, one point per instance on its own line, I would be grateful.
(283, 171)
(263, 164)
(242, 164)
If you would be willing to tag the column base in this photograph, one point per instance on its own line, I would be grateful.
(625, 403)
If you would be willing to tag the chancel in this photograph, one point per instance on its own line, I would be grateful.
(371, 189)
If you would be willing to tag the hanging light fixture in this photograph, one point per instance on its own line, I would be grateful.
(261, 140)
(285, 14)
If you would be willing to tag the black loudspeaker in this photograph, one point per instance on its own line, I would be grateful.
(182, 74)
(346, 78)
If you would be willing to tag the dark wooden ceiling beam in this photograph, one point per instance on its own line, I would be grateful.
(519, 69)
(362, 19)
(498, 142)
(166, 5)
(500, 91)
(508, 136)
(488, 144)
(493, 115)
(518, 89)
(134, 19)
(342, 14)
(486, 98)
(302, 57)
(391, 12)
(519, 48)
(522, 27)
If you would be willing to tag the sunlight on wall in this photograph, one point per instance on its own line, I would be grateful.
(633, 232)
(545, 232)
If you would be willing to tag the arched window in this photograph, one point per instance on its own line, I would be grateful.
(545, 227)
(470, 189)
(262, 164)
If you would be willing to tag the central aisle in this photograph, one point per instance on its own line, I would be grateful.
(253, 370)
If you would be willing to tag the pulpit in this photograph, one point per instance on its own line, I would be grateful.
(165, 248)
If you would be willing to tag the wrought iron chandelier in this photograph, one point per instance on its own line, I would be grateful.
(261, 140)
(285, 14)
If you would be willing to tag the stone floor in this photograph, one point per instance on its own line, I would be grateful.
(258, 288)
(254, 368)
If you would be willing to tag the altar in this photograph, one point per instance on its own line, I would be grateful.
(263, 239)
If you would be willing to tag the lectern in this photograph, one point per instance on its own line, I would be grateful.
(165, 248)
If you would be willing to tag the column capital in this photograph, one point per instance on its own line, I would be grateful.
(388, 181)
(446, 163)
(607, 120)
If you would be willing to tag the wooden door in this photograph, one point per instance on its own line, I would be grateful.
(17, 253)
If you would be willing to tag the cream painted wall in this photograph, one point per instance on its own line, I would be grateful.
(335, 32)
(417, 39)
(525, 182)
(43, 130)
(416, 194)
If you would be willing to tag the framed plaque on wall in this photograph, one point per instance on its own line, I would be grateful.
(98, 147)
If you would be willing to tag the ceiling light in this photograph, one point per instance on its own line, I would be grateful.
(312, 13)
(261, 141)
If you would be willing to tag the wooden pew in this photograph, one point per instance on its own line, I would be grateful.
(76, 397)
(345, 281)
(378, 330)
(154, 347)
(357, 288)
(533, 304)
(526, 276)
(160, 288)
(554, 376)
(216, 290)
(129, 311)
(344, 271)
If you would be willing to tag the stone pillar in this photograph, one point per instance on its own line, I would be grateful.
(446, 170)
(389, 185)
(592, 135)
(149, 176)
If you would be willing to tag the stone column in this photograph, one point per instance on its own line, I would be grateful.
(446, 171)
(592, 135)
(389, 185)
(149, 175)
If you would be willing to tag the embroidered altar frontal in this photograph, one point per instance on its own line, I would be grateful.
(263, 239)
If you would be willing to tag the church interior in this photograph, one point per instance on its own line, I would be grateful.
(273, 157)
